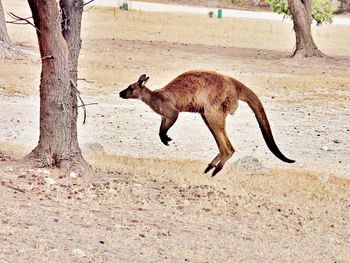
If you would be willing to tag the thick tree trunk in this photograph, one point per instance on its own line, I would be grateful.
(4, 37)
(58, 144)
(301, 14)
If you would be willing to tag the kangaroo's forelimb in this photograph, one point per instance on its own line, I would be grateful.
(165, 125)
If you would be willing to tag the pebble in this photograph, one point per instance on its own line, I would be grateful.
(73, 175)
(325, 148)
(79, 253)
(112, 191)
(324, 178)
(50, 181)
(249, 165)
(136, 186)
(46, 172)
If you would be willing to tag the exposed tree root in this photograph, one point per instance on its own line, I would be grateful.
(72, 163)
(303, 53)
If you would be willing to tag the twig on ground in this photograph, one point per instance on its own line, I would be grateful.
(13, 187)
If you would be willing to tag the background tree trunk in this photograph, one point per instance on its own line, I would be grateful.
(301, 14)
(58, 144)
(344, 7)
(4, 37)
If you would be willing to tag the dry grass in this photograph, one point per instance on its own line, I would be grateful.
(25, 71)
(15, 150)
(152, 210)
(183, 171)
(245, 33)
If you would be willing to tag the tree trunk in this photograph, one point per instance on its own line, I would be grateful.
(301, 14)
(344, 7)
(72, 12)
(4, 37)
(58, 144)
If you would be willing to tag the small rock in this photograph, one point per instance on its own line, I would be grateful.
(325, 148)
(46, 172)
(336, 141)
(112, 191)
(324, 178)
(248, 165)
(136, 186)
(73, 175)
(79, 253)
(186, 203)
(50, 181)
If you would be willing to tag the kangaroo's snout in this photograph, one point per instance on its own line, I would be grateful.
(122, 94)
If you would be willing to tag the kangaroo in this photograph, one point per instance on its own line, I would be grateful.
(210, 94)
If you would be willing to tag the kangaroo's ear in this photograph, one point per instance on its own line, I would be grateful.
(142, 77)
(143, 80)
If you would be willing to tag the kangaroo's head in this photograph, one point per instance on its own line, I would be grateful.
(134, 90)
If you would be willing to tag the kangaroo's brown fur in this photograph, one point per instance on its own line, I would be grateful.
(210, 94)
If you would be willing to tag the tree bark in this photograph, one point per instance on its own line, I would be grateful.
(58, 143)
(301, 14)
(4, 37)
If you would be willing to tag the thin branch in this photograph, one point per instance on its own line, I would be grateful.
(87, 104)
(88, 2)
(82, 102)
(88, 81)
(48, 57)
(21, 20)
(84, 108)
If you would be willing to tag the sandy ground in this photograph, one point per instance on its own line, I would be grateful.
(152, 203)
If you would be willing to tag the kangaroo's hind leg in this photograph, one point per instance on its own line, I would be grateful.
(216, 124)
(217, 158)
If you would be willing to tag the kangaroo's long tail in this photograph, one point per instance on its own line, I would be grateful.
(248, 96)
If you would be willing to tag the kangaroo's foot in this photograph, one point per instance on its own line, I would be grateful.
(165, 139)
(217, 169)
(210, 166)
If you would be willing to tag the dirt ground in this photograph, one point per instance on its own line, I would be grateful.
(151, 203)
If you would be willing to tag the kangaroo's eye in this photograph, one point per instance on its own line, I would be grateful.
(131, 88)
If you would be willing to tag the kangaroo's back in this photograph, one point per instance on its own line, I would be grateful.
(195, 90)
